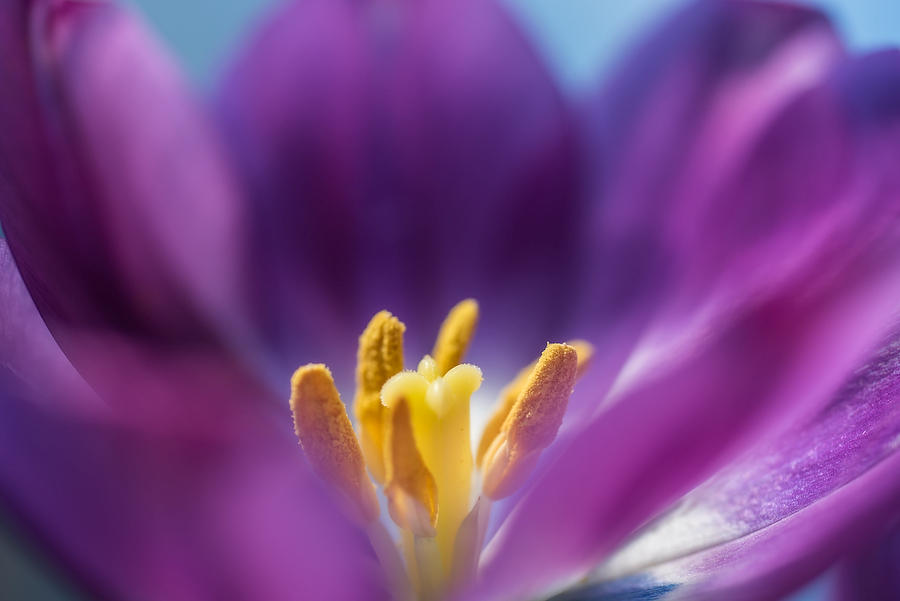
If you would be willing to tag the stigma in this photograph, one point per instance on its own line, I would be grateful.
(413, 439)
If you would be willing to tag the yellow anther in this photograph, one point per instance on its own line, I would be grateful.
(439, 409)
(538, 413)
(510, 393)
(455, 335)
(532, 423)
(380, 356)
(327, 438)
(411, 490)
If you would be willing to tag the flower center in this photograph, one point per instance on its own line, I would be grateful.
(414, 437)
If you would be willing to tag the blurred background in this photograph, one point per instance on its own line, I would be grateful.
(579, 39)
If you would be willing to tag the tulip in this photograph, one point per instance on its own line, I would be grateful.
(680, 296)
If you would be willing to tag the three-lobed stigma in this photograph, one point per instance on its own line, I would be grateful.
(413, 435)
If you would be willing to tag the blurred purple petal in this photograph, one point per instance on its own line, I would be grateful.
(113, 194)
(817, 182)
(665, 135)
(873, 574)
(404, 155)
(224, 508)
(687, 106)
(29, 356)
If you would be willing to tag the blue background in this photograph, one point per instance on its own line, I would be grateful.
(578, 37)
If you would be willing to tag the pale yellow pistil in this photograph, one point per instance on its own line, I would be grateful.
(414, 437)
(439, 407)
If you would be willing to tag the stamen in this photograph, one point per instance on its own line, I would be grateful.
(414, 437)
(380, 356)
(327, 438)
(411, 490)
(439, 409)
(510, 394)
(532, 423)
(455, 335)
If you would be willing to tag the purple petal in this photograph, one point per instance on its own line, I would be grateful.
(29, 356)
(859, 430)
(689, 100)
(214, 500)
(666, 135)
(777, 360)
(874, 573)
(405, 156)
(775, 561)
(113, 193)
(769, 564)
(661, 439)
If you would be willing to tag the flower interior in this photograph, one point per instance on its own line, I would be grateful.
(413, 438)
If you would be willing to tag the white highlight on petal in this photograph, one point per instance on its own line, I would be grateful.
(686, 529)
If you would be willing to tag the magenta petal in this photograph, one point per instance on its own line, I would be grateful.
(224, 509)
(406, 155)
(115, 197)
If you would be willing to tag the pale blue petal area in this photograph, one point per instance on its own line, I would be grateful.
(644, 589)
(629, 591)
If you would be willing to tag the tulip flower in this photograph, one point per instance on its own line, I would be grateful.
(390, 317)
